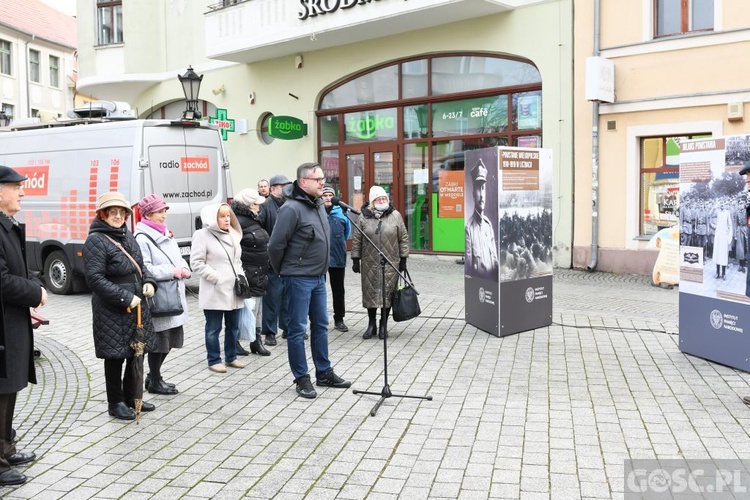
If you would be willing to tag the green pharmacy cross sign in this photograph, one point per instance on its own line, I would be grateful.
(224, 124)
(286, 127)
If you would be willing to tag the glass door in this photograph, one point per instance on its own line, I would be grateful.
(369, 165)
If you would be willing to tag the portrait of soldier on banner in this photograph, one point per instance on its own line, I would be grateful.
(481, 244)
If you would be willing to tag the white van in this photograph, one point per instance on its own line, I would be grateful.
(71, 163)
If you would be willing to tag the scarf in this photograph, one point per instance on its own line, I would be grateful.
(161, 228)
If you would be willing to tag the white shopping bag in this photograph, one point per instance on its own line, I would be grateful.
(247, 320)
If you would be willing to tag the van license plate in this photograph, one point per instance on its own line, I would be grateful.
(185, 250)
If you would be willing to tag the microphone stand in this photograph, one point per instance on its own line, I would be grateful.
(385, 393)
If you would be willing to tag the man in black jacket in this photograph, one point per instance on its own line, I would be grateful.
(19, 294)
(299, 250)
(274, 313)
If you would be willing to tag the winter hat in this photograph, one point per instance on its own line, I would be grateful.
(151, 203)
(329, 189)
(113, 199)
(279, 180)
(376, 192)
(249, 197)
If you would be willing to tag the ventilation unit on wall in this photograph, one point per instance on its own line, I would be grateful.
(735, 111)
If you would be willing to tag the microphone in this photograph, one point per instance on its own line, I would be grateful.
(337, 201)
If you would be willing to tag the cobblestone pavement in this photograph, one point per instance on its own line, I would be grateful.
(550, 413)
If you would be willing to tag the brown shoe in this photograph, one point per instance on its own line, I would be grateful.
(236, 364)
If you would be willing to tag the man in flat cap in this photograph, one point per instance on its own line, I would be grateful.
(20, 293)
(274, 314)
(481, 250)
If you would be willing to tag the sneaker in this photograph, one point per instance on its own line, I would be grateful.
(236, 364)
(341, 326)
(218, 368)
(270, 339)
(330, 379)
(305, 388)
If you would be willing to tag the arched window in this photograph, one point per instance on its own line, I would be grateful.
(402, 124)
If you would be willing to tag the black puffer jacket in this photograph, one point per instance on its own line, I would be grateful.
(114, 281)
(254, 245)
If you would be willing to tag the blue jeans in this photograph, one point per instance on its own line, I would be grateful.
(306, 297)
(213, 329)
(274, 305)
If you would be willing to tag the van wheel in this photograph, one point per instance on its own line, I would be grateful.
(57, 273)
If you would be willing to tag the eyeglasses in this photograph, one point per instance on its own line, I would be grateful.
(117, 212)
(319, 180)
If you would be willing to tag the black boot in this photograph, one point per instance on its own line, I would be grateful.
(121, 411)
(370, 332)
(161, 387)
(241, 350)
(257, 347)
(383, 332)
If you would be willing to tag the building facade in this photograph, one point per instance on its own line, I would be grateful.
(37, 62)
(678, 74)
(379, 92)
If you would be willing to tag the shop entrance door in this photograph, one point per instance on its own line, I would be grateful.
(369, 165)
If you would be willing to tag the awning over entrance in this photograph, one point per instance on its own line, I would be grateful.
(257, 30)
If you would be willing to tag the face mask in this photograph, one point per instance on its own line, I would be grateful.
(381, 206)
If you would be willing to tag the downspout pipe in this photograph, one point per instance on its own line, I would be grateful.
(595, 157)
(28, 77)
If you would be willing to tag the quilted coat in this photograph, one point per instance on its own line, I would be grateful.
(19, 294)
(389, 234)
(114, 281)
(161, 261)
(254, 245)
(208, 258)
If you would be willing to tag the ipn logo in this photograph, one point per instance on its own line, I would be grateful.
(716, 319)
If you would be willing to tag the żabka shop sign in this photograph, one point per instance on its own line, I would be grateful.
(286, 127)
(312, 8)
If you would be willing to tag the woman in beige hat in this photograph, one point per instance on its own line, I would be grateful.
(119, 281)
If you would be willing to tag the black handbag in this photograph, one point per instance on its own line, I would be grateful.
(404, 302)
(167, 301)
(241, 286)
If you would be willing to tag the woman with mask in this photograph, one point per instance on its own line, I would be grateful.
(215, 257)
(119, 281)
(246, 205)
(383, 224)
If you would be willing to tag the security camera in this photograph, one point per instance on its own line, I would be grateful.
(218, 90)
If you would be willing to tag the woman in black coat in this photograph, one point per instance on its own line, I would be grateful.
(117, 287)
(246, 206)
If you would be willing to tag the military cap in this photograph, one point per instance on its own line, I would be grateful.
(479, 172)
(7, 174)
(745, 169)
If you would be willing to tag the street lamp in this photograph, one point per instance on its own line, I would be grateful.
(191, 85)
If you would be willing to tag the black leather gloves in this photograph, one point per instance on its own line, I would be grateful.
(402, 264)
(355, 265)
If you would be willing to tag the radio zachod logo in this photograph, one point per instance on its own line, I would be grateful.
(194, 164)
(36, 184)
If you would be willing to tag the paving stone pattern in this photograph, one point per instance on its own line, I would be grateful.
(550, 413)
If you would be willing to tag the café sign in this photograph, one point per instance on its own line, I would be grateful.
(286, 127)
(313, 8)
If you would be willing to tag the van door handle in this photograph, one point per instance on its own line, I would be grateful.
(198, 223)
